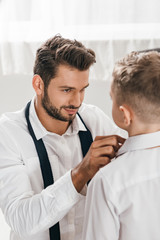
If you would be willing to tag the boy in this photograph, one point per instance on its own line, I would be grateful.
(123, 199)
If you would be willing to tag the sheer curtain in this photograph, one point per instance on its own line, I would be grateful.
(24, 24)
(80, 12)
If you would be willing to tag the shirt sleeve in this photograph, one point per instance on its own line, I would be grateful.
(28, 213)
(101, 221)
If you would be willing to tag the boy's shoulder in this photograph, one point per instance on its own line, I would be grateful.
(131, 168)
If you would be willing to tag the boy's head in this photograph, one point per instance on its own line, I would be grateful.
(135, 89)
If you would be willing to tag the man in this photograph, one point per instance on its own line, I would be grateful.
(46, 143)
(123, 198)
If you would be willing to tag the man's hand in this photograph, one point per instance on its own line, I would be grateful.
(101, 151)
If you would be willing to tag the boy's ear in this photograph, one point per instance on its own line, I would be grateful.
(127, 114)
(38, 84)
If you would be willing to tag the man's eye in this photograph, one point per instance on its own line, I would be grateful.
(66, 90)
(83, 90)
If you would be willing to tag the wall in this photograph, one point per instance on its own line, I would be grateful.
(16, 90)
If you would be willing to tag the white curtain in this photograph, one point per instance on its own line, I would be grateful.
(113, 27)
(80, 12)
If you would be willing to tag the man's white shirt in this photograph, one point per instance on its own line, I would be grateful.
(28, 209)
(123, 199)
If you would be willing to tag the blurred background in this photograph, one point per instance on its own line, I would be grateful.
(112, 28)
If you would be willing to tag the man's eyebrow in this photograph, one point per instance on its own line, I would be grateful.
(85, 86)
(69, 87)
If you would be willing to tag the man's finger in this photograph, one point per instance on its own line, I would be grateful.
(104, 151)
(111, 140)
(102, 161)
(119, 138)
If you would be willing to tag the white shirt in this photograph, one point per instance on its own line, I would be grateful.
(123, 199)
(28, 209)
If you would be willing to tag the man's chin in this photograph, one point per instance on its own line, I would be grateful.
(71, 117)
(67, 118)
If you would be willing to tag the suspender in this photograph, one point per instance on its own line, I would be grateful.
(85, 139)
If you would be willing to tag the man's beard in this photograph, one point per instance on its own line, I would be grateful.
(54, 112)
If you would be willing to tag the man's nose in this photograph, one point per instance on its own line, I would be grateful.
(76, 100)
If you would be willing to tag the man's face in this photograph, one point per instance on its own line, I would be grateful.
(65, 93)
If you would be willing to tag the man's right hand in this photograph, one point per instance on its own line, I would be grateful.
(101, 151)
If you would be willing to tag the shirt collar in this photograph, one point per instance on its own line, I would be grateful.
(40, 130)
(139, 142)
(76, 126)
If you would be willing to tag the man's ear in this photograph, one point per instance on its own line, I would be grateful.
(127, 114)
(38, 84)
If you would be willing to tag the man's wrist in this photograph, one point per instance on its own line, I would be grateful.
(79, 178)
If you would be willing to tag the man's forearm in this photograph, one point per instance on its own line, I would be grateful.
(79, 177)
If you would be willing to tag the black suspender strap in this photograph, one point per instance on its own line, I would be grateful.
(42, 153)
(85, 139)
(54, 231)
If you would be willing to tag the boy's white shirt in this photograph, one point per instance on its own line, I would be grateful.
(123, 199)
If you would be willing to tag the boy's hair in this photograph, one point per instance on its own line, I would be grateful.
(60, 51)
(136, 82)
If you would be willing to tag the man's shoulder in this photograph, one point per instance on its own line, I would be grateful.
(10, 120)
(91, 107)
(92, 112)
(96, 120)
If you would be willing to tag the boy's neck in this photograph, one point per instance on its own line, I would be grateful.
(139, 128)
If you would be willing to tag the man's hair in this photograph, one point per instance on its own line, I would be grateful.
(136, 82)
(60, 51)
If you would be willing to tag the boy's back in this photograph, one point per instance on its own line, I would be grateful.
(128, 193)
(123, 199)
